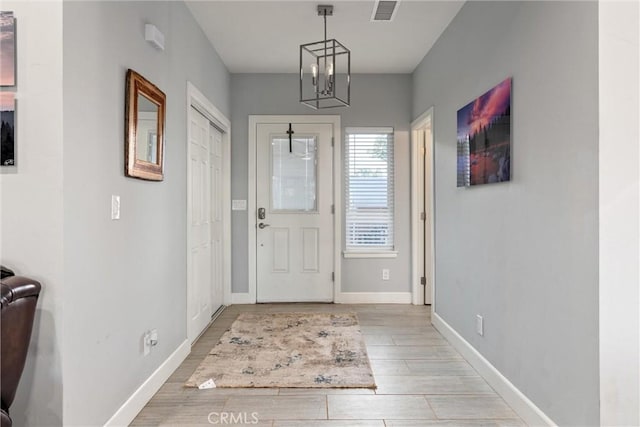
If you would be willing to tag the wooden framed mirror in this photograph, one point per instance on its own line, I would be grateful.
(145, 106)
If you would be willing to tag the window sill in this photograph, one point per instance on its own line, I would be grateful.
(364, 254)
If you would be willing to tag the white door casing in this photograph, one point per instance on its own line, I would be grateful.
(249, 296)
(422, 201)
(427, 223)
(208, 212)
(294, 195)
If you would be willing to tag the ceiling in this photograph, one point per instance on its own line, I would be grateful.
(264, 36)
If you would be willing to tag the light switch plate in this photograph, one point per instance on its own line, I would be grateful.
(479, 325)
(115, 207)
(238, 205)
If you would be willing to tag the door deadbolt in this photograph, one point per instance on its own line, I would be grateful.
(261, 213)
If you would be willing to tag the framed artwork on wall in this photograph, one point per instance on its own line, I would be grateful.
(7, 129)
(145, 106)
(484, 138)
(7, 49)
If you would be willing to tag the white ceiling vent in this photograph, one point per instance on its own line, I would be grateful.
(384, 11)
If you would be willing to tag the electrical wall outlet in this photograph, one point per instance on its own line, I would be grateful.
(150, 339)
(479, 325)
(385, 274)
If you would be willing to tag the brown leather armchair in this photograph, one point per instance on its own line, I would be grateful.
(18, 298)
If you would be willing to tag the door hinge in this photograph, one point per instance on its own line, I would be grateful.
(423, 216)
(423, 280)
(333, 209)
(333, 276)
(333, 141)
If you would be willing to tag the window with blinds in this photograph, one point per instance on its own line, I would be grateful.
(369, 193)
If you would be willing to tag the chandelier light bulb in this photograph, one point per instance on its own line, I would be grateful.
(329, 78)
(314, 74)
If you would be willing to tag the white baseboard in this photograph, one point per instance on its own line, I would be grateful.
(525, 408)
(242, 298)
(345, 298)
(373, 298)
(145, 392)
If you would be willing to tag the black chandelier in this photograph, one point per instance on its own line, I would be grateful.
(328, 82)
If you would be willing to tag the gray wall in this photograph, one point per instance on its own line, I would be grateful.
(124, 277)
(523, 254)
(377, 100)
(31, 210)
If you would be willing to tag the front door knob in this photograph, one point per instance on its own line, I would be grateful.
(263, 225)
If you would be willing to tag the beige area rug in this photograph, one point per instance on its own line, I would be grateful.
(316, 350)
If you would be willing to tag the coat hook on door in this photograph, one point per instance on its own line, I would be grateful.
(290, 132)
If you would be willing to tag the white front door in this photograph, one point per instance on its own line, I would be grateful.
(204, 290)
(294, 220)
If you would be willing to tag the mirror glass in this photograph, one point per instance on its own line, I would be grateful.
(147, 130)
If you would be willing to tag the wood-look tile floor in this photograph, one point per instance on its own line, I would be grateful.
(421, 379)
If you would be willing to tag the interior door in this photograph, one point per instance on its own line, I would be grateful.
(424, 189)
(215, 141)
(204, 289)
(294, 219)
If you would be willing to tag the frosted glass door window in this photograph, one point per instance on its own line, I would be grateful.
(293, 174)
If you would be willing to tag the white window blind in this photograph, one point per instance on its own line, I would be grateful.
(369, 190)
